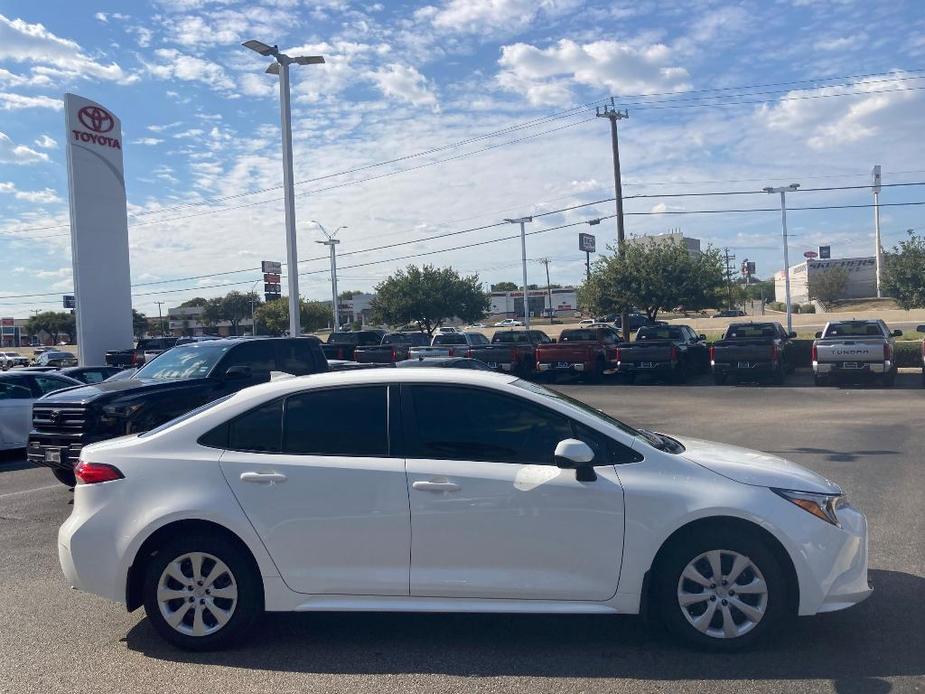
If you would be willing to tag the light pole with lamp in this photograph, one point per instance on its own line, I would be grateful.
(331, 242)
(281, 68)
(523, 259)
(783, 190)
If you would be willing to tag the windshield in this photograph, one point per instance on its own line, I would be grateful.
(512, 337)
(752, 330)
(578, 336)
(450, 339)
(659, 334)
(186, 361)
(854, 330)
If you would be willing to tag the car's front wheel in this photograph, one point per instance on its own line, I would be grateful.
(721, 590)
(202, 592)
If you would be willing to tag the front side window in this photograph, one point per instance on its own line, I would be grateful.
(459, 423)
(296, 357)
(339, 421)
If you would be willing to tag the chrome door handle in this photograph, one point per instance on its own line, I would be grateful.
(428, 486)
(263, 477)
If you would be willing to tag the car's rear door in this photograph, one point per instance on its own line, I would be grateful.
(314, 474)
(491, 514)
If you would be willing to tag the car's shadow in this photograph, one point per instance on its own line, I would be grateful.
(855, 648)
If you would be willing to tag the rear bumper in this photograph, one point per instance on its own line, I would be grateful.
(41, 450)
(560, 367)
(861, 368)
(624, 367)
(750, 368)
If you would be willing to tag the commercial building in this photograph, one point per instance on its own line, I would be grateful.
(674, 237)
(188, 321)
(511, 304)
(861, 284)
(356, 309)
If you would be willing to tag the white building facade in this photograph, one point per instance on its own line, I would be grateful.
(511, 304)
(861, 284)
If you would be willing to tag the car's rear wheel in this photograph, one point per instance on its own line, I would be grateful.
(889, 379)
(64, 476)
(202, 592)
(721, 590)
(719, 379)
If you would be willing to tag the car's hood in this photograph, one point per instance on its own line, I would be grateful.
(753, 467)
(127, 386)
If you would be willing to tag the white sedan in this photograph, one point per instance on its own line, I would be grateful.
(508, 323)
(435, 490)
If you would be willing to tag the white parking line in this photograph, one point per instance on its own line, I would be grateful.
(27, 491)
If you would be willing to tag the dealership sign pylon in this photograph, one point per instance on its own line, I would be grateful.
(99, 229)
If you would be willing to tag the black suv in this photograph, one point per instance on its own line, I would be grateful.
(174, 383)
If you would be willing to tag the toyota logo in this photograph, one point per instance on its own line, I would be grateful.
(54, 416)
(96, 119)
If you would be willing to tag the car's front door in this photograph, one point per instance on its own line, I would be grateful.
(491, 514)
(15, 412)
(314, 476)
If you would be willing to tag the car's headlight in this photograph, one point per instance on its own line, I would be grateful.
(823, 506)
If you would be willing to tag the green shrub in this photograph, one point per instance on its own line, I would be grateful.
(807, 308)
(777, 306)
(908, 353)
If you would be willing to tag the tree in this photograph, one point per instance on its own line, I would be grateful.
(827, 286)
(904, 272)
(654, 277)
(195, 301)
(504, 287)
(236, 306)
(273, 316)
(212, 311)
(349, 294)
(139, 323)
(55, 323)
(428, 296)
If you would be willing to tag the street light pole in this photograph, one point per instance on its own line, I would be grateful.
(523, 260)
(281, 68)
(253, 312)
(160, 318)
(331, 242)
(878, 257)
(783, 220)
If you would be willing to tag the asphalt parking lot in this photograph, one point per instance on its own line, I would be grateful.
(870, 440)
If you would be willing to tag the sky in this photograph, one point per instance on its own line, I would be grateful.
(451, 115)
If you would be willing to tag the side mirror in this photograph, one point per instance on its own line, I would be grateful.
(920, 329)
(572, 453)
(792, 334)
(897, 333)
(238, 373)
(818, 334)
(702, 337)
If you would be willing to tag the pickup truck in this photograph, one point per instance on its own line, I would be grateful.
(179, 380)
(512, 351)
(449, 345)
(341, 345)
(672, 352)
(854, 348)
(753, 350)
(135, 357)
(394, 347)
(588, 352)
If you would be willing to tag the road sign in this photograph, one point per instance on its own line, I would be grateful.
(271, 288)
(69, 301)
(876, 176)
(271, 277)
(825, 252)
(810, 254)
(587, 243)
(271, 266)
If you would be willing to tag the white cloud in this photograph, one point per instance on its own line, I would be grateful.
(21, 41)
(491, 16)
(37, 196)
(545, 75)
(14, 102)
(46, 142)
(256, 85)
(172, 64)
(404, 82)
(841, 43)
(11, 153)
(147, 141)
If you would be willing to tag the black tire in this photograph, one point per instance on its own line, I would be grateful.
(889, 379)
(630, 379)
(678, 374)
(244, 576)
(778, 608)
(719, 379)
(65, 477)
(597, 375)
(820, 381)
(778, 376)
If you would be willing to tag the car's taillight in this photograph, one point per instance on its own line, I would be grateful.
(618, 354)
(815, 353)
(394, 355)
(136, 358)
(775, 353)
(674, 353)
(712, 353)
(887, 352)
(451, 352)
(94, 473)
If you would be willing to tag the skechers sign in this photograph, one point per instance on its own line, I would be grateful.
(100, 121)
(99, 228)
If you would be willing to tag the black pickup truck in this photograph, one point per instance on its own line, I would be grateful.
(341, 345)
(671, 352)
(393, 348)
(178, 381)
(511, 351)
(752, 351)
(135, 357)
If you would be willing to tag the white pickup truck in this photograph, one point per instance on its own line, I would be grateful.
(449, 345)
(855, 348)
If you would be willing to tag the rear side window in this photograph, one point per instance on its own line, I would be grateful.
(339, 421)
(259, 430)
(296, 357)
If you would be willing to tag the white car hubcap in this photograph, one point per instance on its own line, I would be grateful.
(197, 594)
(722, 594)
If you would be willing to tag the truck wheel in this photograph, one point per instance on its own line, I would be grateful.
(678, 374)
(820, 380)
(65, 477)
(631, 378)
(889, 379)
(597, 375)
(719, 379)
(777, 377)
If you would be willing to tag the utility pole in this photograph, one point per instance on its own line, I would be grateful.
(783, 190)
(878, 251)
(160, 318)
(545, 262)
(613, 115)
(729, 272)
(523, 260)
(331, 242)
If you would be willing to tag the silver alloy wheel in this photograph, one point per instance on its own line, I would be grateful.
(197, 594)
(722, 594)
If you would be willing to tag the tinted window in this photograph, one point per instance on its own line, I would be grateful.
(460, 423)
(187, 361)
(450, 339)
(661, 334)
(92, 376)
(12, 391)
(477, 339)
(49, 384)
(752, 330)
(854, 330)
(578, 336)
(342, 339)
(296, 357)
(259, 430)
(259, 356)
(342, 421)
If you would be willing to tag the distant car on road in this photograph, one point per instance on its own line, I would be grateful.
(753, 350)
(8, 360)
(855, 348)
(670, 352)
(18, 391)
(729, 313)
(509, 323)
(56, 359)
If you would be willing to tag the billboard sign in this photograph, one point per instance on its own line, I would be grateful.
(825, 252)
(99, 229)
(587, 243)
(68, 301)
(272, 267)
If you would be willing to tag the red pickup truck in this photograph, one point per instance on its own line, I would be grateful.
(588, 352)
